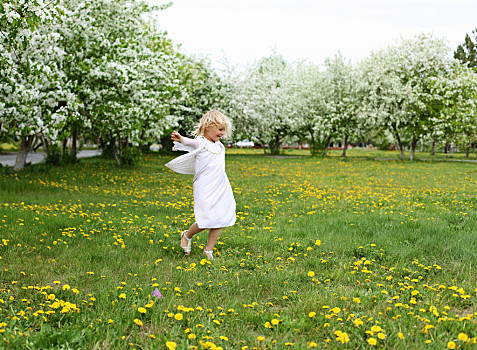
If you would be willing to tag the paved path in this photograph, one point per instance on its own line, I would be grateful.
(37, 157)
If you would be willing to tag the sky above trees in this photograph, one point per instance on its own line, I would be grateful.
(244, 31)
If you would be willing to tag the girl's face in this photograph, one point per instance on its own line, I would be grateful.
(214, 133)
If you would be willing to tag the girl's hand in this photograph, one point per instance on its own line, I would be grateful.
(176, 137)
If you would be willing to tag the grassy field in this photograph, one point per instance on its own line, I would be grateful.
(326, 253)
(365, 153)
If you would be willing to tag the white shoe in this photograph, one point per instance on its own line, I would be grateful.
(188, 247)
(209, 254)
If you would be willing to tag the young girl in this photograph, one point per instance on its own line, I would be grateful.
(214, 203)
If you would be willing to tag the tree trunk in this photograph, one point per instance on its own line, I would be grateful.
(413, 149)
(325, 152)
(65, 143)
(25, 145)
(313, 149)
(467, 150)
(276, 146)
(401, 147)
(120, 149)
(398, 138)
(73, 142)
(433, 150)
(37, 144)
(45, 143)
(101, 144)
(113, 147)
(345, 145)
(142, 136)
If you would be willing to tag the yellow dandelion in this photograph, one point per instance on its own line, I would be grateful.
(463, 337)
(376, 329)
(171, 345)
(451, 345)
(342, 337)
(138, 322)
(372, 341)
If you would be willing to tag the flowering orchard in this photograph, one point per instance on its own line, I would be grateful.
(95, 69)
(106, 71)
(325, 254)
(411, 93)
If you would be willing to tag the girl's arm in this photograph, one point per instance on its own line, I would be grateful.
(187, 144)
(190, 142)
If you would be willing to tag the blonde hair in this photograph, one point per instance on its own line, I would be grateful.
(213, 118)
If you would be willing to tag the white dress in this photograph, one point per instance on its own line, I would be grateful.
(214, 203)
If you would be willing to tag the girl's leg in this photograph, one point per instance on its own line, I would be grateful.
(191, 232)
(214, 234)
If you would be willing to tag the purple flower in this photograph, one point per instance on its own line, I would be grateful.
(157, 294)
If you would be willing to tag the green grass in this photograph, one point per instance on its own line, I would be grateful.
(364, 153)
(325, 252)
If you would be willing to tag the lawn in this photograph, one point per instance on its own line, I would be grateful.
(366, 153)
(326, 253)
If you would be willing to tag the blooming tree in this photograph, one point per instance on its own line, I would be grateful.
(455, 105)
(384, 94)
(309, 90)
(397, 87)
(203, 90)
(123, 71)
(423, 59)
(263, 92)
(342, 99)
(32, 82)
